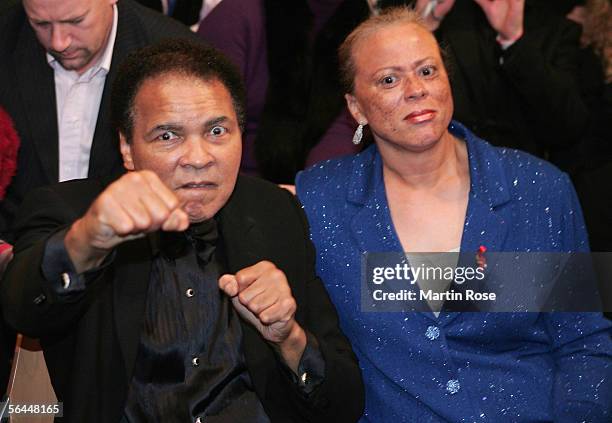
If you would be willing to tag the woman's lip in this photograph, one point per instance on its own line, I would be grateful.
(420, 116)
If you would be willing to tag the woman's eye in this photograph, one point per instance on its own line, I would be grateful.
(388, 80)
(167, 136)
(217, 131)
(428, 70)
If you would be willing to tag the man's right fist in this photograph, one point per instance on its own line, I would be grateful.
(135, 204)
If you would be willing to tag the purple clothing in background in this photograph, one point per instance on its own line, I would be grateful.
(237, 28)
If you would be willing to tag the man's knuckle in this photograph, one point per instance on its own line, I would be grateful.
(277, 275)
(244, 299)
(289, 304)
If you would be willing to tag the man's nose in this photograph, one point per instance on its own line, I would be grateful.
(196, 154)
(60, 38)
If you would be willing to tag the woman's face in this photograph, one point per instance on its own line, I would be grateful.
(401, 87)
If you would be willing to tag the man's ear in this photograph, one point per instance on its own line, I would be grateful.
(126, 152)
(355, 108)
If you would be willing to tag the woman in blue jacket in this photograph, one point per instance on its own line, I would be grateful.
(430, 185)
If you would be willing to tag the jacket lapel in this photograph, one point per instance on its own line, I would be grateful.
(486, 223)
(241, 237)
(105, 158)
(36, 81)
(244, 245)
(371, 225)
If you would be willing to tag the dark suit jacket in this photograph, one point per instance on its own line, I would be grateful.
(91, 342)
(7, 4)
(27, 92)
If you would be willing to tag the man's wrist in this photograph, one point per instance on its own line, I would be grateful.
(83, 256)
(292, 348)
(506, 41)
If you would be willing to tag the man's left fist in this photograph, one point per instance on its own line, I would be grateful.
(261, 294)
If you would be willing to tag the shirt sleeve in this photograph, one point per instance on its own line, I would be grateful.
(59, 271)
(311, 368)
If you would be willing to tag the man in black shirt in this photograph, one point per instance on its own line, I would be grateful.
(182, 291)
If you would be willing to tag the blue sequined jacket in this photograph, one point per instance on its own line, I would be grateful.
(463, 367)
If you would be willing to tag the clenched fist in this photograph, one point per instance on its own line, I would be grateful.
(135, 204)
(261, 294)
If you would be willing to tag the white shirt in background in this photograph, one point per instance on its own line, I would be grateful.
(78, 100)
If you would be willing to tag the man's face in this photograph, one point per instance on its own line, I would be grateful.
(186, 131)
(73, 31)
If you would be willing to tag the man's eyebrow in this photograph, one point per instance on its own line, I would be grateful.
(69, 20)
(39, 21)
(76, 18)
(215, 121)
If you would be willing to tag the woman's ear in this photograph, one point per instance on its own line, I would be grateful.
(355, 108)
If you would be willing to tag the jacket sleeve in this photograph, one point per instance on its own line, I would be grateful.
(340, 396)
(582, 349)
(581, 342)
(32, 299)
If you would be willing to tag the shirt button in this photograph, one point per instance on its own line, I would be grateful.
(65, 280)
(40, 299)
(453, 386)
(432, 333)
(189, 293)
(195, 361)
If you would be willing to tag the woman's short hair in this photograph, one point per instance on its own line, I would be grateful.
(388, 17)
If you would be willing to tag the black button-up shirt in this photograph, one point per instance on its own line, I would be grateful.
(190, 362)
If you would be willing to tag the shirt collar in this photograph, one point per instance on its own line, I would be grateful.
(203, 236)
(104, 63)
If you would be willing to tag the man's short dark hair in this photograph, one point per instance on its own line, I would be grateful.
(178, 56)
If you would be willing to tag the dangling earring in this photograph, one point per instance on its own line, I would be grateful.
(358, 134)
